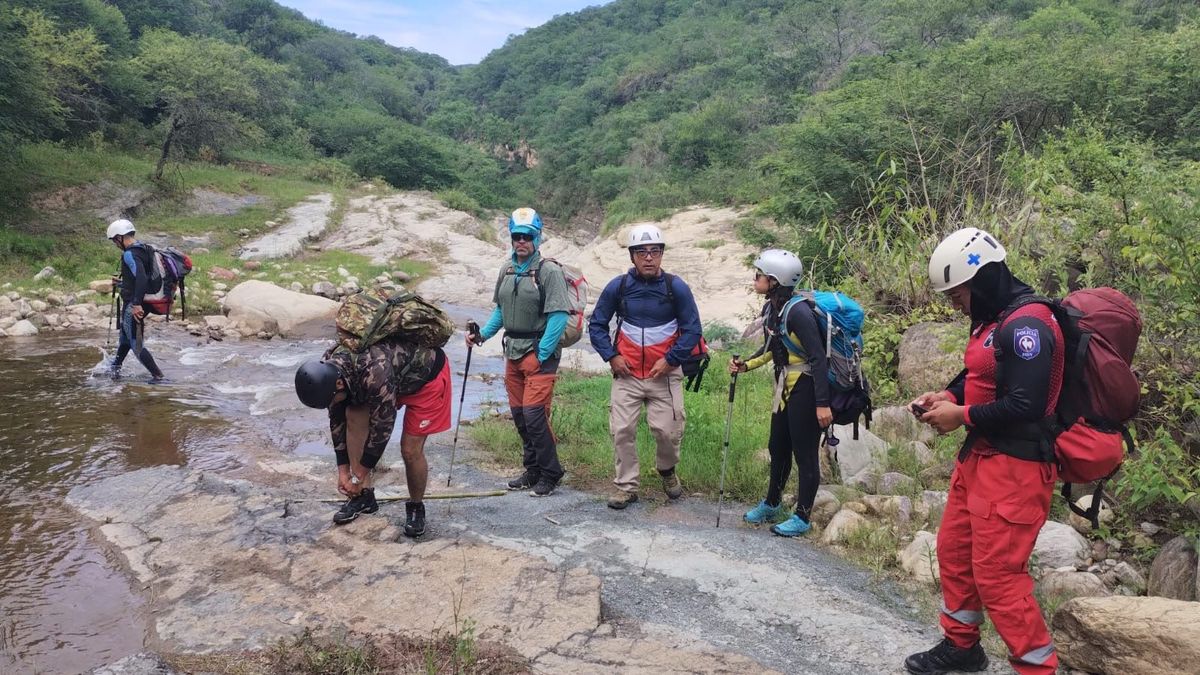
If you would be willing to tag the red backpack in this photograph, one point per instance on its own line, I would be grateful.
(1100, 392)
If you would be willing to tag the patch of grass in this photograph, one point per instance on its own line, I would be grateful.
(873, 546)
(310, 653)
(710, 244)
(580, 419)
(460, 201)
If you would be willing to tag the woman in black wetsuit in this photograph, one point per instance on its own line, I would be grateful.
(800, 410)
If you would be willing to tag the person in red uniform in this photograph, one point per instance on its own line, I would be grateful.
(1002, 483)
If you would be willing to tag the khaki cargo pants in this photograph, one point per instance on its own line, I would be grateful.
(663, 400)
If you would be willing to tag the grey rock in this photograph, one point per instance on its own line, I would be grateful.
(1059, 545)
(843, 524)
(919, 558)
(930, 355)
(325, 289)
(1067, 585)
(44, 274)
(1128, 635)
(402, 277)
(898, 426)
(854, 455)
(825, 506)
(866, 480)
(1129, 575)
(896, 509)
(1173, 572)
(22, 328)
(1149, 528)
(893, 483)
(138, 664)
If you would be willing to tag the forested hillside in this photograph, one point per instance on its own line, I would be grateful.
(859, 130)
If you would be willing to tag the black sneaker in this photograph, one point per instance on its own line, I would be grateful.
(524, 481)
(364, 503)
(414, 519)
(544, 488)
(946, 658)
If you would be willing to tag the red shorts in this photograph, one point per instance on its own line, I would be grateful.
(427, 411)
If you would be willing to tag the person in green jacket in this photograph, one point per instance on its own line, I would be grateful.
(532, 306)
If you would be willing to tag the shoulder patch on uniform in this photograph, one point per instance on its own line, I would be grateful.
(987, 341)
(1027, 343)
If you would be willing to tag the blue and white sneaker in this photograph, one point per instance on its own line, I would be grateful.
(763, 513)
(792, 527)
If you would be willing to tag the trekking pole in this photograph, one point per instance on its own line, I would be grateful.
(725, 449)
(112, 313)
(472, 330)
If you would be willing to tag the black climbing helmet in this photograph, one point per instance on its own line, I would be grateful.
(316, 383)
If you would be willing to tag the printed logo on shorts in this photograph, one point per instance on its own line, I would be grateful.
(424, 423)
(1027, 343)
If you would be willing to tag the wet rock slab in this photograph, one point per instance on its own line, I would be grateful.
(229, 567)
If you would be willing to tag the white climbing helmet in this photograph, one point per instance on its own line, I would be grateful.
(643, 235)
(781, 265)
(120, 228)
(959, 257)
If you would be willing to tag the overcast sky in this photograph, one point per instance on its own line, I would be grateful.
(461, 31)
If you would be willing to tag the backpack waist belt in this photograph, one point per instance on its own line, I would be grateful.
(524, 334)
(781, 380)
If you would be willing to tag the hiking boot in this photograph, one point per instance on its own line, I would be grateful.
(671, 484)
(792, 527)
(946, 658)
(414, 519)
(544, 487)
(621, 499)
(524, 481)
(363, 503)
(762, 513)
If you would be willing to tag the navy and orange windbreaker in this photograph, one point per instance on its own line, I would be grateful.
(652, 326)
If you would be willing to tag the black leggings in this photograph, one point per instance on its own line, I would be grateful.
(795, 433)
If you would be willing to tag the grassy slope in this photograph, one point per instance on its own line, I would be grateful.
(71, 239)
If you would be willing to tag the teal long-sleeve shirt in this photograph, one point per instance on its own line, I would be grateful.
(556, 323)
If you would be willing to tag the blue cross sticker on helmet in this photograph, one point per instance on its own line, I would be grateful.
(972, 258)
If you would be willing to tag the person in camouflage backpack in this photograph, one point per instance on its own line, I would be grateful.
(362, 392)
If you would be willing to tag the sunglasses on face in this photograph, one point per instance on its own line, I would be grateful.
(648, 253)
(522, 237)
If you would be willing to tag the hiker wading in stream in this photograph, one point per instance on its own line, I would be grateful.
(1001, 488)
(134, 284)
(800, 409)
(658, 326)
(532, 306)
(363, 394)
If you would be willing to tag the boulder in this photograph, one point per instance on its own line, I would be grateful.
(1059, 545)
(1173, 572)
(897, 425)
(930, 356)
(38, 305)
(921, 450)
(45, 274)
(920, 557)
(6, 305)
(1129, 576)
(937, 472)
(893, 483)
(252, 265)
(854, 455)
(297, 287)
(402, 277)
(222, 274)
(1128, 635)
(101, 286)
(898, 510)
(1083, 525)
(22, 308)
(56, 299)
(22, 328)
(930, 506)
(7, 321)
(216, 322)
(866, 480)
(839, 529)
(343, 272)
(255, 304)
(325, 289)
(1066, 585)
(825, 506)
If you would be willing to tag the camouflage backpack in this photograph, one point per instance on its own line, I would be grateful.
(375, 314)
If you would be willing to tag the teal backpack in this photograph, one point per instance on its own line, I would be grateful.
(840, 318)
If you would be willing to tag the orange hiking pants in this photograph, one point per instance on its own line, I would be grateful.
(530, 387)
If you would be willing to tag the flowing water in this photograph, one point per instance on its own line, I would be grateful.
(65, 604)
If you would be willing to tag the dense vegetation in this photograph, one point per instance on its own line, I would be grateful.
(862, 130)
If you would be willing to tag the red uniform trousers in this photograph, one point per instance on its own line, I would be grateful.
(996, 507)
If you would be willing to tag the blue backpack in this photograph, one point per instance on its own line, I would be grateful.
(840, 318)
